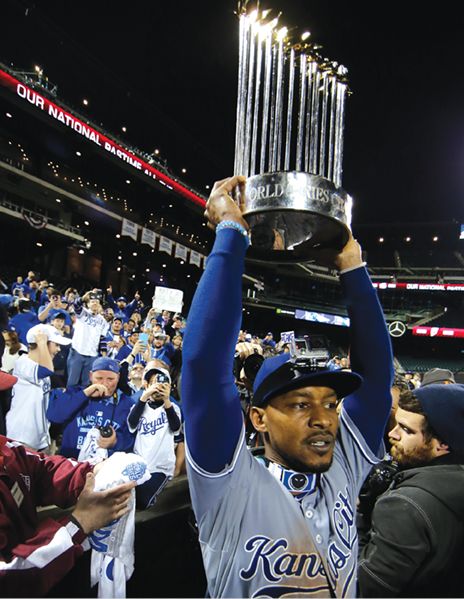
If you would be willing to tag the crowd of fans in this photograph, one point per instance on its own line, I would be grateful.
(84, 365)
(86, 374)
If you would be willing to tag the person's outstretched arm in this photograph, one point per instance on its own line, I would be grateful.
(35, 564)
(213, 418)
(370, 350)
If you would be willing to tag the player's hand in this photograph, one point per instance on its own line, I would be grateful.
(221, 206)
(108, 442)
(109, 290)
(96, 390)
(246, 348)
(350, 256)
(138, 348)
(137, 296)
(149, 391)
(41, 339)
(96, 509)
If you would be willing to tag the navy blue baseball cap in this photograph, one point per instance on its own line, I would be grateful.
(443, 406)
(282, 373)
(105, 364)
(121, 299)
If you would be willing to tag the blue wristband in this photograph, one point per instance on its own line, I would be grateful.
(231, 224)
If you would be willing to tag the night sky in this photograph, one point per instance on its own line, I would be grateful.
(167, 71)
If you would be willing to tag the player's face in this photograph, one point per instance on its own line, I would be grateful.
(408, 445)
(58, 323)
(53, 348)
(117, 326)
(301, 428)
(93, 305)
(136, 372)
(105, 377)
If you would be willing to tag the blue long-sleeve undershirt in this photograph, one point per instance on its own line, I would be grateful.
(213, 418)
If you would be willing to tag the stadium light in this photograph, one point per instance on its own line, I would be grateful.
(435, 238)
(85, 102)
(184, 170)
(381, 239)
(9, 115)
(38, 244)
(408, 239)
(123, 129)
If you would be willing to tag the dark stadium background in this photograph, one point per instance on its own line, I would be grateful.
(166, 72)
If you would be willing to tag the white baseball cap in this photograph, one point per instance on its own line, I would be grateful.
(51, 332)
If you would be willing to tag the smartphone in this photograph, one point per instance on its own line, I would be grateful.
(116, 338)
(143, 338)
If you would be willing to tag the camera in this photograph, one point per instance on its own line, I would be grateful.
(161, 378)
(106, 431)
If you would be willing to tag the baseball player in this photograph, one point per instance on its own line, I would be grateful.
(283, 524)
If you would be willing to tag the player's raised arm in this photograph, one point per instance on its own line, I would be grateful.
(370, 350)
(213, 417)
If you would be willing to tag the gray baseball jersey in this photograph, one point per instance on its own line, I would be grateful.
(257, 540)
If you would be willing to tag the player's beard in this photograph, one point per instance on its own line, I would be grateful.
(414, 457)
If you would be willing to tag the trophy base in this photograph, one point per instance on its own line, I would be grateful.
(293, 216)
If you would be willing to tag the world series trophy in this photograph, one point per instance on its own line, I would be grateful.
(289, 142)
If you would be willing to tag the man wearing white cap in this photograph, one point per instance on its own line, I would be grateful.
(26, 421)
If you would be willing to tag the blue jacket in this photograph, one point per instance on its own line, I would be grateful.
(80, 413)
(213, 416)
(164, 353)
(22, 322)
(124, 313)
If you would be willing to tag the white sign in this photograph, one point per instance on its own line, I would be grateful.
(168, 299)
(195, 258)
(129, 229)
(165, 245)
(181, 252)
(148, 237)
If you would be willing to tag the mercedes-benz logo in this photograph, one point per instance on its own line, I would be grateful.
(397, 328)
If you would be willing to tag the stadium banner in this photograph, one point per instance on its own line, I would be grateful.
(438, 332)
(165, 245)
(35, 220)
(82, 128)
(129, 229)
(166, 298)
(420, 286)
(181, 252)
(148, 237)
(195, 258)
